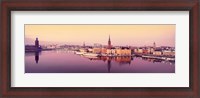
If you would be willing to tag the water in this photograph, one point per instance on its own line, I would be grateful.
(68, 62)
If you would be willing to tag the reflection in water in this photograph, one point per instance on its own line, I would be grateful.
(153, 60)
(122, 60)
(36, 56)
(68, 62)
(109, 64)
(125, 60)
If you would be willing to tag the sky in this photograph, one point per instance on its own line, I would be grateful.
(121, 35)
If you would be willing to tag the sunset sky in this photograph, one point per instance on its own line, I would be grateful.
(121, 35)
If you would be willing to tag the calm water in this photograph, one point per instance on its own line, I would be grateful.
(68, 62)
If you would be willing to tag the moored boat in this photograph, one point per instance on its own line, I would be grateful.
(91, 54)
(170, 59)
(80, 53)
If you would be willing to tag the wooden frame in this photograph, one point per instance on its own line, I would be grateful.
(97, 5)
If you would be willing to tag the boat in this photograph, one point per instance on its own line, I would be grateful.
(152, 57)
(80, 53)
(103, 54)
(170, 59)
(91, 54)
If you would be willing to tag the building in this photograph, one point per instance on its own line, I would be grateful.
(33, 48)
(138, 50)
(37, 43)
(51, 46)
(111, 51)
(124, 51)
(96, 50)
(151, 50)
(168, 53)
(146, 51)
(103, 50)
(157, 52)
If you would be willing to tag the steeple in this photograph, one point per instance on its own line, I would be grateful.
(154, 45)
(109, 43)
(109, 39)
(83, 44)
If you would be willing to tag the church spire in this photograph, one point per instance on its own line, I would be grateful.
(154, 45)
(109, 43)
(83, 44)
(109, 39)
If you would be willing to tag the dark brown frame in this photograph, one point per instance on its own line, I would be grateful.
(99, 5)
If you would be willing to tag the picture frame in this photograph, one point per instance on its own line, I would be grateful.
(88, 5)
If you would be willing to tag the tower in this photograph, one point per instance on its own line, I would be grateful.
(83, 44)
(154, 45)
(109, 43)
(37, 43)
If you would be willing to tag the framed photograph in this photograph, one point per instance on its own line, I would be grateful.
(122, 48)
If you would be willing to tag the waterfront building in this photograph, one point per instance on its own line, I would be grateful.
(124, 51)
(96, 50)
(168, 53)
(33, 48)
(103, 50)
(111, 51)
(138, 50)
(151, 50)
(132, 50)
(157, 52)
(145, 51)
(135, 50)
(52, 46)
(37, 43)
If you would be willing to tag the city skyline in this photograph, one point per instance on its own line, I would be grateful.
(121, 35)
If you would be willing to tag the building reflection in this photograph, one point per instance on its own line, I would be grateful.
(37, 56)
(109, 64)
(33, 49)
(125, 60)
(121, 60)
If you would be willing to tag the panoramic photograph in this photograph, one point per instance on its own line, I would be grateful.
(99, 48)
